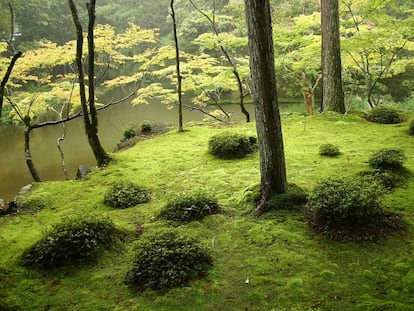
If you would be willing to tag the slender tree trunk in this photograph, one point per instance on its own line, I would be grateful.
(179, 77)
(6, 78)
(28, 154)
(89, 112)
(227, 56)
(268, 124)
(332, 92)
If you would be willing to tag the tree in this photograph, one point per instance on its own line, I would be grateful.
(332, 92)
(178, 69)
(268, 124)
(89, 112)
(230, 60)
(378, 45)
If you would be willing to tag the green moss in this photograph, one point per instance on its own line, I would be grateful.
(274, 251)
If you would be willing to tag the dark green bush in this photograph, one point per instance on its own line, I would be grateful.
(75, 239)
(387, 178)
(229, 145)
(125, 194)
(411, 128)
(130, 131)
(189, 206)
(329, 150)
(385, 115)
(146, 127)
(345, 202)
(165, 260)
(391, 159)
(294, 198)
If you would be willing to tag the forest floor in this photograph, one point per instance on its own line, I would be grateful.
(272, 262)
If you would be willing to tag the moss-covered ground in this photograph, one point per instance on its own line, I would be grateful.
(273, 262)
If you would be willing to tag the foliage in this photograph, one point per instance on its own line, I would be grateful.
(189, 206)
(387, 158)
(130, 131)
(75, 239)
(146, 127)
(344, 202)
(411, 128)
(230, 145)
(124, 194)
(329, 150)
(385, 115)
(389, 179)
(167, 259)
(293, 199)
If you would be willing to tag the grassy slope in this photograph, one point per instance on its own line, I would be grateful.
(288, 266)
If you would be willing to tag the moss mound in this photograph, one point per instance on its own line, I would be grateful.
(125, 194)
(189, 206)
(230, 145)
(167, 259)
(75, 239)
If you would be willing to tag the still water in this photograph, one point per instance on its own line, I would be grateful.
(14, 173)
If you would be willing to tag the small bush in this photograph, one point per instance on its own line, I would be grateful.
(411, 128)
(75, 239)
(146, 127)
(189, 206)
(166, 260)
(345, 202)
(329, 150)
(228, 145)
(385, 115)
(387, 178)
(130, 131)
(125, 194)
(294, 198)
(391, 159)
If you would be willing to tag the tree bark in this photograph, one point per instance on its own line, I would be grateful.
(268, 124)
(6, 78)
(179, 77)
(89, 111)
(28, 155)
(332, 92)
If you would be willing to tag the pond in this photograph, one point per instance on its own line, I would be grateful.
(14, 173)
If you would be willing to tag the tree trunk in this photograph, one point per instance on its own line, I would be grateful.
(89, 112)
(28, 154)
(332, 92)
(179, 77)
(268, 125)
(6, 78)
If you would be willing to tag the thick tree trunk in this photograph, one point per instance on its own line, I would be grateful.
(28, 155)
(332, 92)
(268, 125)
(179, 77)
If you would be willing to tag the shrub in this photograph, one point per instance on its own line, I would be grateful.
(411, 128)
(146, 127)
(130, 131)
(75, 239)
(189, 206)
(385, 115)
(294, 198)
(329, 150)
(228, 145)
(166, 260)
(387, 178)
(345, 202)
(125, 194)
(391, 159)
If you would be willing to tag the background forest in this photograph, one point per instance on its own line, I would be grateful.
(134, 39)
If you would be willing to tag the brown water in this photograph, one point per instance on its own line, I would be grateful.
(14, 173)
